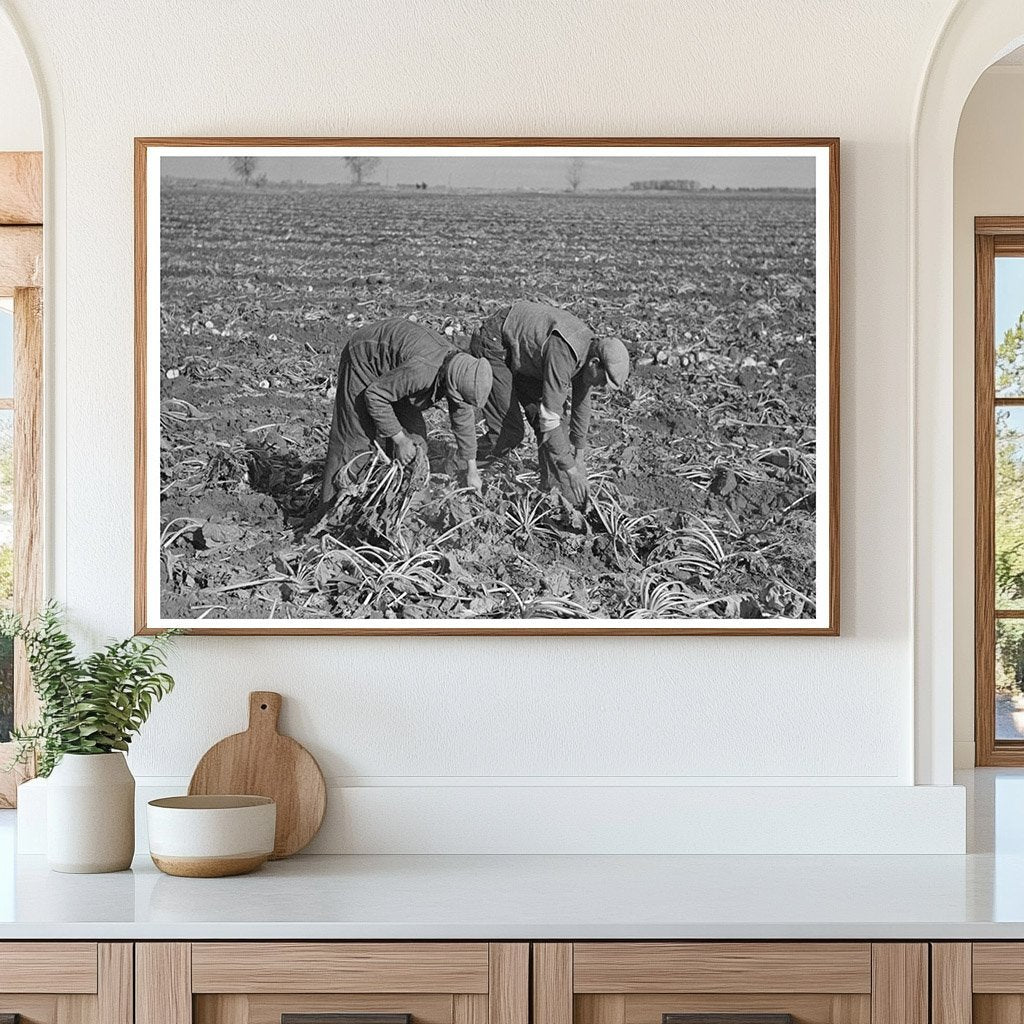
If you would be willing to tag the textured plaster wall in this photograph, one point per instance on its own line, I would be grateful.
(814, 711)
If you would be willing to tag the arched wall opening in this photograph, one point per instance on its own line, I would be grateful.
(975, 36)
(989, 153)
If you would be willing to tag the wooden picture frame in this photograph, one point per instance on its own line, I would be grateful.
(819, 617)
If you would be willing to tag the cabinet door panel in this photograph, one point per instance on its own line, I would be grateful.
(259, 982)
(66, 982)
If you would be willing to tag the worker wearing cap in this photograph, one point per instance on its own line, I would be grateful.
(389, 373)
(545, 363)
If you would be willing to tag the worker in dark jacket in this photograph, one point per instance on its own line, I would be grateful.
(545, 362)
(390, 373)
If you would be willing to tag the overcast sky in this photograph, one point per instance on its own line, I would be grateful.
(520, 171)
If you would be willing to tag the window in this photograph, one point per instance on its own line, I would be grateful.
(21, 365)
(999, 490)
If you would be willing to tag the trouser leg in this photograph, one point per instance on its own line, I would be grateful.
(550, 473)
(351, 430)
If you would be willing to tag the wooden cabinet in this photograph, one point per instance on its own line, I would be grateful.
(494, 983)
(66, 982)
(265, 982)
(978, 983)
(752, 982)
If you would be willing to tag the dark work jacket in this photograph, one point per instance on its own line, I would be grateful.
(399, 361)
(550, 345)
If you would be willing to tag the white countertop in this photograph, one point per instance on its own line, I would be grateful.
(977, 896)
(517, 897)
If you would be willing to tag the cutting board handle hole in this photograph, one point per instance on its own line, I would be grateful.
(263, 707)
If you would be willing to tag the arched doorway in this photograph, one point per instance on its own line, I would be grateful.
(976, 34)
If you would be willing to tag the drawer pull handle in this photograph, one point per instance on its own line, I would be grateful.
(10, 1018)
(727, 1018)
(341, 1018)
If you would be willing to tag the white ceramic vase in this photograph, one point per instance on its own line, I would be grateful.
(90, 814)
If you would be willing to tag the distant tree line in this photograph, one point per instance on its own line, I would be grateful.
(666, 184)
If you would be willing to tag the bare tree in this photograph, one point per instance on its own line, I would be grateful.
(360, 167)
(574, 174)
(243, 167)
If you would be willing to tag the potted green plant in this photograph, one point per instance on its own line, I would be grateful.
(89, 710)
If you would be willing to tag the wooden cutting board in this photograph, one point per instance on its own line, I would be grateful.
(262, 762)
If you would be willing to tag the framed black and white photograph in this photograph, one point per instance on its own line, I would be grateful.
(488, 386)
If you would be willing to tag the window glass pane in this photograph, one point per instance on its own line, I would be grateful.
(1009, 321)
(1009, 537)
(6, 567)
(1009, 679)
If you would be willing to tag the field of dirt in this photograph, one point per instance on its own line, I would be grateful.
(702, 469)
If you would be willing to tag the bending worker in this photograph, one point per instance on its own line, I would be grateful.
(389, 374)
(545, 362)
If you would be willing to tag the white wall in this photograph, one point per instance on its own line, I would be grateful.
(464, 711)
(21, 127)
(987, 181)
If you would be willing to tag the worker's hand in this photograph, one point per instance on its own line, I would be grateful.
(473, 478)
(405, 448)
(575, 486)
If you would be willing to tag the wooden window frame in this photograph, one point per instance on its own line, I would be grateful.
(21, 278)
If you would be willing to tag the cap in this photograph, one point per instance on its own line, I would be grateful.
(468, 379)
(614, 358)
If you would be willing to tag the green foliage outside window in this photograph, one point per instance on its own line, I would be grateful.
(1009, 510)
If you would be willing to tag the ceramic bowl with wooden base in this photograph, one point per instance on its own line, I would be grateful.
(211, 836)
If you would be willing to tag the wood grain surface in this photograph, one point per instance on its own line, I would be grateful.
(629, 967)
(998, 967)
(115, 998)
(65, 967)
(305, 967)
(21, 188)
(899, 989)
(552, 983)
(163, 983)
(508, 992)
(951, 983)
(262, 762)
(28, 482)
(469, 1008)
(21, 259)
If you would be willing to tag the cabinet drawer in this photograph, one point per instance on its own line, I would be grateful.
(730, 983)
(332, 983)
